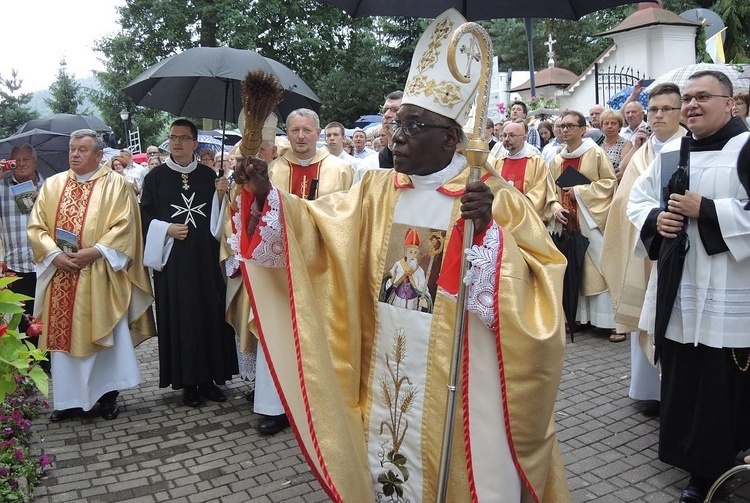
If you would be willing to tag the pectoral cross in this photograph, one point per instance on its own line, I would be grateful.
(303, 187)
(472, 54)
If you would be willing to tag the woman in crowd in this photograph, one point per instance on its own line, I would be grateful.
(153, 162)
(545, 133)
(615, 145)
(118, 165)
(741, 107)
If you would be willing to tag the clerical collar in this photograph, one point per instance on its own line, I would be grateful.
(518, 155)
(304, 162)
(720, 138)
(433, 181)
(87, 176)
(587, 145)
(182, 169)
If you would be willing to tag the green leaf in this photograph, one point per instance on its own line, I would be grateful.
(40, 379)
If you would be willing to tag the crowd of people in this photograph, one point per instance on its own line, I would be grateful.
(328, 277)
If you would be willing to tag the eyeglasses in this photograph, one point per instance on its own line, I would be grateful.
(182, 138)
(569, 126)
(511, 135)
(664, 110)
(411, 127)
(700, 97)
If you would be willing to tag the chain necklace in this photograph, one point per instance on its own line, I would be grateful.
(744, 368)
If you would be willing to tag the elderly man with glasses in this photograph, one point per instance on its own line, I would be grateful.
(364, 378)
(182, 212)
(705, 352)
(584, 207)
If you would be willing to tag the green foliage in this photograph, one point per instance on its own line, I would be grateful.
(14, 111)
(18, 357)
(65, 92)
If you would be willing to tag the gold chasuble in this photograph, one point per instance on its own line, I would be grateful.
(596, 197)
(80, 309)
(362, 372)
(325, 174)
(530, 174)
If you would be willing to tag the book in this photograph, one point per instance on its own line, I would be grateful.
(66, 241)
(571, 177)
(24, 195)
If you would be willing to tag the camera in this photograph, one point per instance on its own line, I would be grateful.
(7, 164)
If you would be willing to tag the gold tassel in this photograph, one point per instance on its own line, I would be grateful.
(261, 93)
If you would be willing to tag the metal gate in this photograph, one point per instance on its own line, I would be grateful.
(611, 80)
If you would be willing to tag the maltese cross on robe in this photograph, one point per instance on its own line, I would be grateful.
(189, 209)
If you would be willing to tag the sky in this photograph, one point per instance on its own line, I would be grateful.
(38, 33)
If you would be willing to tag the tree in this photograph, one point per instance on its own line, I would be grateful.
(65, 92)
(14, 112)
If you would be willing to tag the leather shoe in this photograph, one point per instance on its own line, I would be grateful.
(651, 408)
(109, 410)
(211, 392)
(62, 415)
(692, 494)
(190, 396)
(271, 425)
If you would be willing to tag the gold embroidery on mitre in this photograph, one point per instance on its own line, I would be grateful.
(445, 93)
(430, 56)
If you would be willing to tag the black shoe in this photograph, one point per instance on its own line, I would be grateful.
(211, 392)
(271, 425)
(190, 396)
(62, 415)
(109, 410)
(651, 408)
(250, 396)
(695, 492)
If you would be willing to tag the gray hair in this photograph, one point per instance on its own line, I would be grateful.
(23, 147)
(83, 133)
(304, 112)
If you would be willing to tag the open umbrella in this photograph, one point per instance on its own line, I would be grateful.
(573, 245)
(207, 82)
(672, 251)
(66, 124)
(680, 76)
(366, 120)
(477, 9)
(51, 149)
(619, 98)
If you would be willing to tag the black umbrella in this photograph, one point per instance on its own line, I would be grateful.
(207, 82)
(66, 124)
(573, 245)
(477, 9)
(672, 253)
(51, 149)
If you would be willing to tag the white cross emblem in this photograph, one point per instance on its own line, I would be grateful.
(189, 209)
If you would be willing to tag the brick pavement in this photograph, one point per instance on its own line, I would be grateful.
(159, 450)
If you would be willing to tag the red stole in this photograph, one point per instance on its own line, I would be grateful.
(569, 202)
(71, 213)
(301, 179)
(514, 172)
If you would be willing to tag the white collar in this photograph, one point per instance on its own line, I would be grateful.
(182, 169)
(587, 145)
(435, 180)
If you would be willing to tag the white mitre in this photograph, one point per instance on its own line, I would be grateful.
(430, 84)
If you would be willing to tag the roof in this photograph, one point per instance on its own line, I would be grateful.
(549, 77)
(648, 16)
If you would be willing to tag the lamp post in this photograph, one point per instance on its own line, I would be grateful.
(125, 115)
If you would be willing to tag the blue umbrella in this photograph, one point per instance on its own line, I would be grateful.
(366, 120)
(618, 99)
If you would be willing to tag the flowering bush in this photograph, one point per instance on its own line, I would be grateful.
(19, 471)
(542, 102)
(20, 378)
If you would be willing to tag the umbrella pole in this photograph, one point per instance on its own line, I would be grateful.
(223, 129)
(476, 154)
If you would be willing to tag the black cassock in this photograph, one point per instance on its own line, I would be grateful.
(196, 345)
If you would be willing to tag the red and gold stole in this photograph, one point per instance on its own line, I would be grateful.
(569, 202)
(301, 179)
(71, 213)
(514, 172)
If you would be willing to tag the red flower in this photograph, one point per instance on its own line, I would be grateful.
(3, 329)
